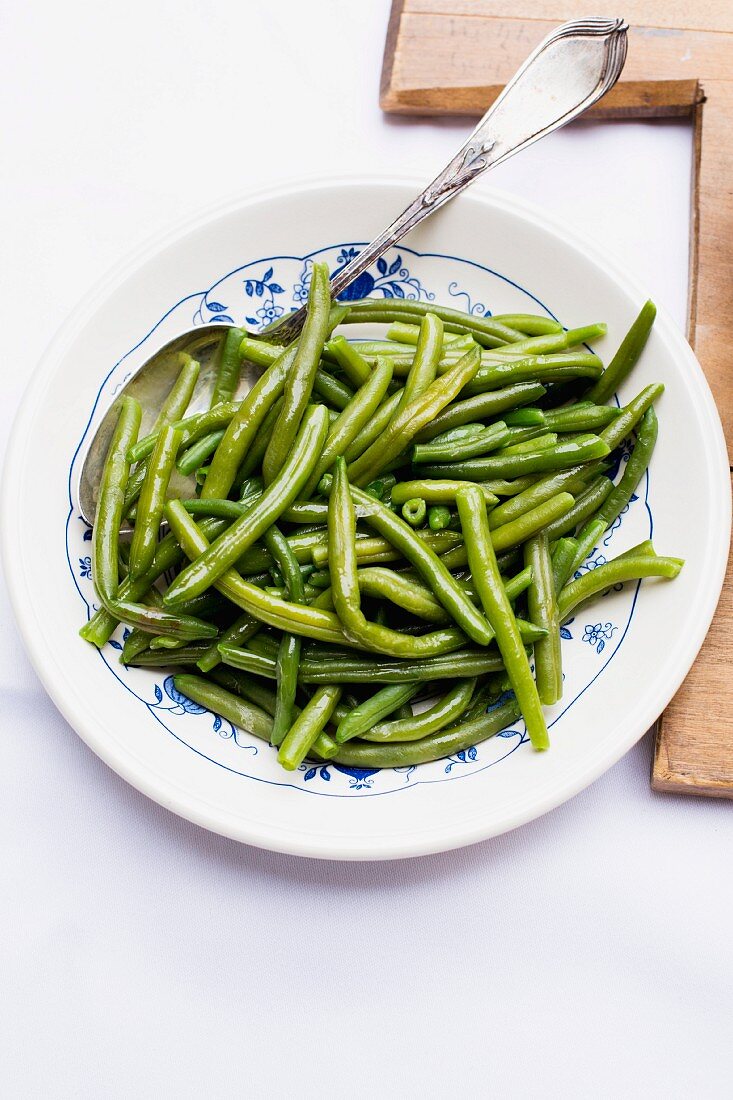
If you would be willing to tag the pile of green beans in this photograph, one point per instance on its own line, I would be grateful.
(382, 540)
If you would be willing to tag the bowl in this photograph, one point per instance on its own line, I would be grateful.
(247, 262)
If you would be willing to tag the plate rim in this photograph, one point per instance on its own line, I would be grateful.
(196, 808)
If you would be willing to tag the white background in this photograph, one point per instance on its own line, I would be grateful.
(587, 954)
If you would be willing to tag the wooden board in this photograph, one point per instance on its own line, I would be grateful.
(454, 57)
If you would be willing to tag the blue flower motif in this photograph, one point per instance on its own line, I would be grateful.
(269, 312)
(346, 255)
(85, 566)
(597, 634)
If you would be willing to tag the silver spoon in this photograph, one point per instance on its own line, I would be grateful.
(568, 72)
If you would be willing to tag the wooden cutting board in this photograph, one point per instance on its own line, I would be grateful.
(453, 57)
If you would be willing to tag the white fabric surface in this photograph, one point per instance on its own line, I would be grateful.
(586, 954)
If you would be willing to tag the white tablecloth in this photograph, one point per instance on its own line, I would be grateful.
(586, 954)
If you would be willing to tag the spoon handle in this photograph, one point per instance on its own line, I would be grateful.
(568, 72)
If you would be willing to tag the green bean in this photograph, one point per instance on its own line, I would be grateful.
(258, 664)
(247, 687)
(241, 630)
(136, 642)
(414, 511)
(544, 442)
(288, 658)
(152, 498)
(378, 706)
(245, 425)
(196, 455)
(618, 571)
(542, 607)
(450, 741)
(345, 584)
(110, 501)
(299, 381)
(493, 333)
(355, 416)
(192, 428)
(199, 575)
(478, 443)
(425, 364)
(330, 390)
(566, 453)
(621, 494)
(626, 357)
(411, 418)
(427, 563)
(414, 727)
(529, 323)
(580, 419)
(296, 618)
(227, 371)
(563, 481)
(404, 333)
(382, 487)
(256, 451)
(161, 658)
(102, 624)
(309, 724)
(439, 517)
(482, 561)
(563, 556)
(630, 415)
(382, 549)
(460, 664)
(434, 492)
(374, 428)
(401, 591)
(480, 407)
(248, 717)
(355, 366)
(536, 368)
(172, 409)
(524, 418)
(585, 507)
(181, 392)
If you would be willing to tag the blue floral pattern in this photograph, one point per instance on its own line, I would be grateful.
(254, 295)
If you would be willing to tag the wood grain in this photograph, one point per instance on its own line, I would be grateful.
(454, 57)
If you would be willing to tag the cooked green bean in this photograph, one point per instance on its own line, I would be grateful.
(396, 309)
(330, 390)
(222, 554)
(482, 406)
(478, 443)
(152, 498)
(563, 481)
(110, 501)
(543, 610)
(414, 727)
(196, 455)
(411, 418)
(355, 366)
(374, 428)
(618, 571)
(299, 381)
(566, 453)
(414, 511)
(355, 416)
(563, 556)
(524, 418)
(227, 371)
(256, 451)
(366, 715)
(427, 563)
(439, 517)
(192, 428)
(307, 727)
(482, 561)
(626, 357)
(435, 492)
(450, 741)
(288, 657)
(245, 425)
(461, 664)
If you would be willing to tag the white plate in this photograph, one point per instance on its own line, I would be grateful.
(625, 655)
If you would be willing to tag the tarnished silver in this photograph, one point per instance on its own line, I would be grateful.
(567, 73)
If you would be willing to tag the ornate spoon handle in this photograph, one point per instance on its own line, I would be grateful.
(567, 73)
